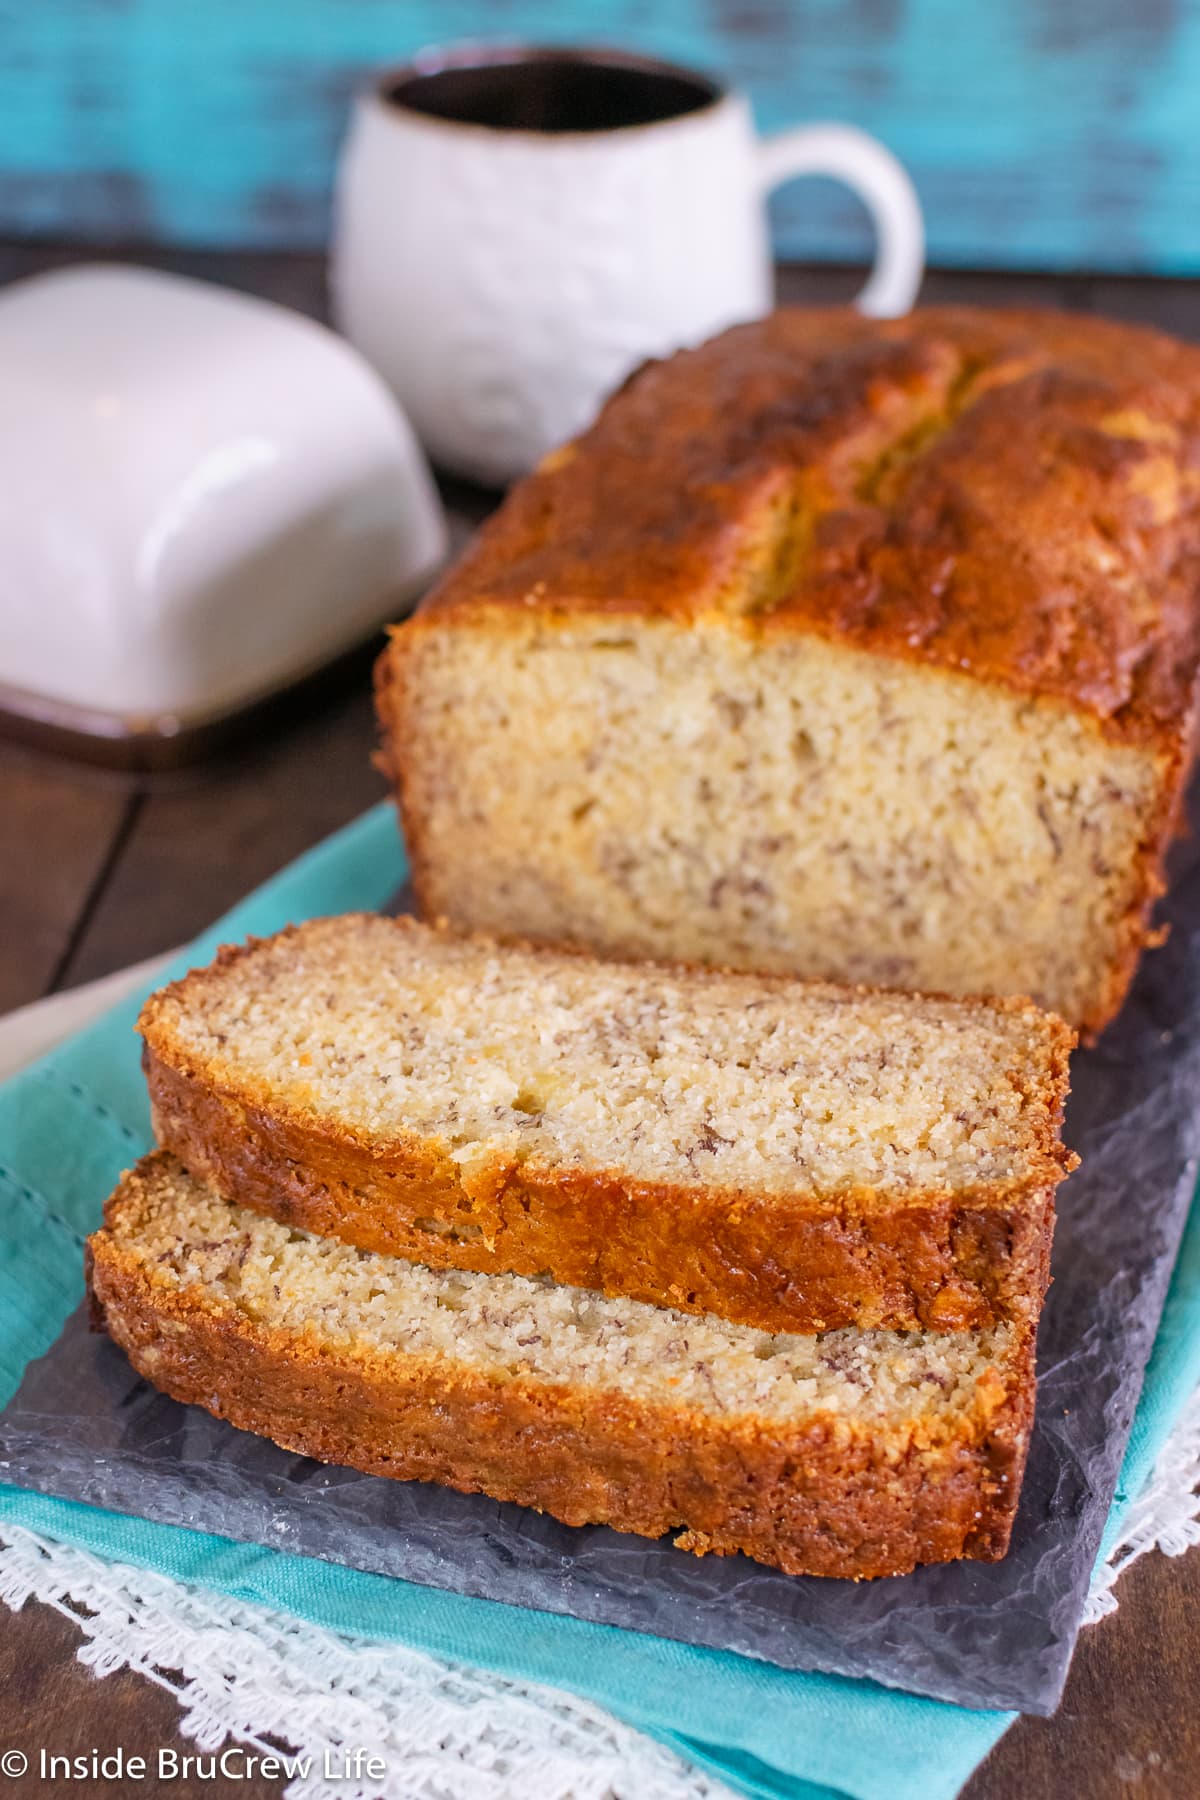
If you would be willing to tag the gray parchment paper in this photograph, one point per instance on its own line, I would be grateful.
(84, 1427)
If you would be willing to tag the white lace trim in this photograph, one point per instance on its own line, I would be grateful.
(1165, 1516)
(445, 1731)
(267, 1680)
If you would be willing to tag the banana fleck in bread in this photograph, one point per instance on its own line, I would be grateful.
(854, 1453)
(792, 1156)
(856, 649)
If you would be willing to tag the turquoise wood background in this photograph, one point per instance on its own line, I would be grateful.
(1041, 133)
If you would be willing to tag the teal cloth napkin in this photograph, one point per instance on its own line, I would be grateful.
(68, 1126)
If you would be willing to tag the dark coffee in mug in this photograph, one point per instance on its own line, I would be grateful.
(555, 91)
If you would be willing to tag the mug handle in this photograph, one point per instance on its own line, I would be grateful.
(885, 188)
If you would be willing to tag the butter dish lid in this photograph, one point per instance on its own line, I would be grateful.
(203, 498)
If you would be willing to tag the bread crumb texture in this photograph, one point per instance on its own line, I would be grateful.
(498, 1054)
(506, 1328)
(784, 804)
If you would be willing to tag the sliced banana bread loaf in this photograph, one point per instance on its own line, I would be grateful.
(792, 1156)
(855, 649)
(854, 1453)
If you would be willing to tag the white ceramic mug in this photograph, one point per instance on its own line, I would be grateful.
(516, 229)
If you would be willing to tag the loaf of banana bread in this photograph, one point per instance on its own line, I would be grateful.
(853, 1453)
(854, 649)
(789, 1155)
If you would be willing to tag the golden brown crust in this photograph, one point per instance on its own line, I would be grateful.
(802, 1262)
(392, 671)
(1010, 494)
(821, 1499)
(782, 1263)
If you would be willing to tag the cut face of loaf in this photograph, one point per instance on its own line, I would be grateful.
(853, 1453)
(858, 649)
(793, 1156)
(648, 788)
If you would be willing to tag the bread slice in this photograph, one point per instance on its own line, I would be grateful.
(790, 1156)
(853, 1453)
(857, 649)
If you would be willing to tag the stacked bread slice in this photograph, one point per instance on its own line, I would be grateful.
(751, 1259)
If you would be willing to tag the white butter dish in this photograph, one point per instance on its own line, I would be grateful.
(204, 498)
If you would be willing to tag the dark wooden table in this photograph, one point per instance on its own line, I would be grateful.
(99, 870)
